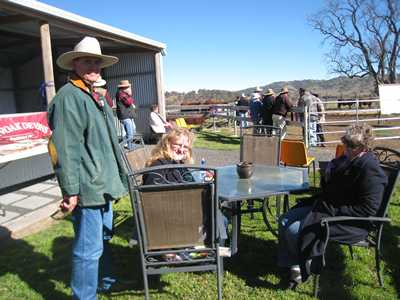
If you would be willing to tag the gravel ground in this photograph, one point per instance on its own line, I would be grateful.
(221, 157)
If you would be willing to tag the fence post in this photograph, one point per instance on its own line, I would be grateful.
(357, 107)
(306, 125)
(214, 125)
(234, 121)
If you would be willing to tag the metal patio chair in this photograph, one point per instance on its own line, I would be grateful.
(136, 158)
(176, 220)
(260, 144)
(387, 156)
(374, 239)
(294, 154)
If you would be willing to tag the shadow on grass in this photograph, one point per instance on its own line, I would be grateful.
(255, 259)
(220, 138)
(127, 261)
(333, 278)
(390, 254)
(35, 269)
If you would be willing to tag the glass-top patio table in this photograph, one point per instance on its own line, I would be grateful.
(266, 181)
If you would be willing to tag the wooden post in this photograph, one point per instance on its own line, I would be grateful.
(158, 59)
(306, 126)
(47, 58)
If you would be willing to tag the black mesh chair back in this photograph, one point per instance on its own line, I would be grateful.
(175, 217)
(392, 173)
(178, 220)
(387, 156)
(136, 158)
(260, 144)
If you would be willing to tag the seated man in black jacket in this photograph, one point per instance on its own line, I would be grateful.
(354, 186)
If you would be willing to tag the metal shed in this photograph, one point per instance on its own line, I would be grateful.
(34, 34)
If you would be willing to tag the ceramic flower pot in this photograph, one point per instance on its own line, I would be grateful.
(245, 169)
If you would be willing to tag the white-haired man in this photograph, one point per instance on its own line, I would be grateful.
(88, 165)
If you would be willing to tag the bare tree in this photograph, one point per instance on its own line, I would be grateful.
(364, 37)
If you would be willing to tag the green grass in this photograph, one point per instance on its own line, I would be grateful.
(223, 139)
(38, 267)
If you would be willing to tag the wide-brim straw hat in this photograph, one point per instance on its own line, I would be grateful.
(284, 90)
(88, 47)
(124, 83)
(269, 92)
(100, 82)
(258, 89)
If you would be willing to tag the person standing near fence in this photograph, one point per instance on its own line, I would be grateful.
(302, 105)
(267, 105)
(87, 162)
(101, 89)
(126, 110)
(244, 103)
(256, 108)
(281, 107)
(320, 118)
(310, 104)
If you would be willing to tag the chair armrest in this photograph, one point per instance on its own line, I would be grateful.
(326, 221)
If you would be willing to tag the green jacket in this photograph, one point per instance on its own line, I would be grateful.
(84, 147)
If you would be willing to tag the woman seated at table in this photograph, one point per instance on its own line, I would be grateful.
(354, 186)
(175, 147)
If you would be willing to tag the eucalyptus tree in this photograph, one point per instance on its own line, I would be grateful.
(363, 36)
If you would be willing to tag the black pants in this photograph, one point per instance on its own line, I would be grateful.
(320, 137)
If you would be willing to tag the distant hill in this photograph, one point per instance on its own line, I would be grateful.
(339, 87)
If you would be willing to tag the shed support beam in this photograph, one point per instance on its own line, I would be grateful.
(160, 83)
(47, 58)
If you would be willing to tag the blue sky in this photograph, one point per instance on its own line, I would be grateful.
(220, 44)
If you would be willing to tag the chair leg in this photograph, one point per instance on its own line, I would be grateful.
(314, 173)
(285, 203)
(378, 264)
(316, 285)
(146, 287)
(250, 206)
(220, 272)
(351, 251)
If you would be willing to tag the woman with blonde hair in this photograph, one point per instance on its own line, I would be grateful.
(175, 147)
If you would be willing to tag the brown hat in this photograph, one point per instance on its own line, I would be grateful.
(269, 92)
(284, 90)
(124, 84)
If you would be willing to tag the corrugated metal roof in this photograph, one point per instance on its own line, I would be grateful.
(56, 15)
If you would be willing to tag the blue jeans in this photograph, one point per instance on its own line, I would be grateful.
(91, 257)
(130, 130)
(243, 122)
(289, 227)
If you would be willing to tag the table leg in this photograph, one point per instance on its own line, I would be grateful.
(235, 227)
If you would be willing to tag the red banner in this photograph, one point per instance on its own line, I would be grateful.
(21, 127)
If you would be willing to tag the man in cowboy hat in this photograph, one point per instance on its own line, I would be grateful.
(281, 107)
(268, 103)
(100, 88)
(89, 168)
(126, 110)
(243, 103)
(256, 107)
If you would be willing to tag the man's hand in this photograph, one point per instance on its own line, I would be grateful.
(69, 203)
